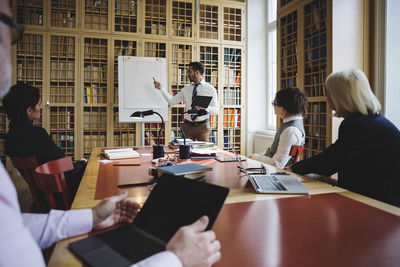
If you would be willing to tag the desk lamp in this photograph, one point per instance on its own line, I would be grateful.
(158, 150)
(184, 150)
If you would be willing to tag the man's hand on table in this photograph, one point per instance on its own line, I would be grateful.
(112, 210)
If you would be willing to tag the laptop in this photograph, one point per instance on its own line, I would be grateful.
(173, 202)
(275, 183)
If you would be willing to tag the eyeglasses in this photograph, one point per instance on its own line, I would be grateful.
(274, 104)
(16, 29)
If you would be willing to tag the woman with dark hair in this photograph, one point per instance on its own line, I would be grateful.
(366, 154)
(22, 105)
(290, 105)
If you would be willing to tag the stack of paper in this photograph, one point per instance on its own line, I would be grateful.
(121, 153)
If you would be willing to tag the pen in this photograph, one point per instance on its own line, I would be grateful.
(126, 164)
(134, 185)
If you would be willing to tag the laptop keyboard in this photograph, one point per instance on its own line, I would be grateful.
(268, 183)
(130, 243)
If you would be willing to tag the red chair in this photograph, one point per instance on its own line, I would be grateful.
(296, 152)
(50, 178)
(26, 166)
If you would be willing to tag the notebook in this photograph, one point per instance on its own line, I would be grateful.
(155, 224)
(201, 101)
(275, 183)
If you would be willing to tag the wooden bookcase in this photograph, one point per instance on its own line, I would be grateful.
(310, 32)
(70, 51)
(304, 61)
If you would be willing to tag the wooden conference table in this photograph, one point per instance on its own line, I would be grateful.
(331, 227)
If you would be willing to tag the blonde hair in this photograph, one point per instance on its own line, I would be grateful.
(350, 93)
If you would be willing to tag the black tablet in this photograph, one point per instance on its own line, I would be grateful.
(201, 101)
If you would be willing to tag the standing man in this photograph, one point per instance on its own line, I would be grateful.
(196, 127)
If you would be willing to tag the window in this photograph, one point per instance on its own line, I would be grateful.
(271, 62)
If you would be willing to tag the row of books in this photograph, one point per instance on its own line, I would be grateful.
(213, 121)
(315, 131)
(231, 118)
(62, 46)
(182, 53)
(208, 34)
(232, 95)
(232, 138)
(213, 136)
(316, 119)
(62, 120)
(158, 28)
(181, 29)
(232, 56)
(129, 50)
(96, 4)
(315, 54)
(65, 140)
(62, 70)
(316, 41)
(92, 141)
(92, 95)
(96, 47)
(95, 72)
(152, 139)
(124, 139)
(125, 25)
(232, 76)
(31, 16)
(288, 61)
(314, 143)
(209, 55)
(62, 94)
(317, 107)
(62, 19)
(289, 82)
(95, 120)
(211, 76)
(29, 69)
(314, 84)
(155, 49)
(178, 75)
(127, 8)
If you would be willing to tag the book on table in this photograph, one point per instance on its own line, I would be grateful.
(191, 170)
(121, 153)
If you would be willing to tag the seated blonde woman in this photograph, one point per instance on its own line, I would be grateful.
(290, 105)
(366, 154)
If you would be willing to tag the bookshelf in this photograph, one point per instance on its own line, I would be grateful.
(125, 16)
(208, 22)
(70, 51)
(63, 13)
(29, 62)
(304, 62)
(30, 12)
(96, 15)
(62, 92)
(209, 56)
(155, 19)
(182, 18)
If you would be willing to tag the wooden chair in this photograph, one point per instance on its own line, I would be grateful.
(26, 166)
(296, 152)
(50, 178)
